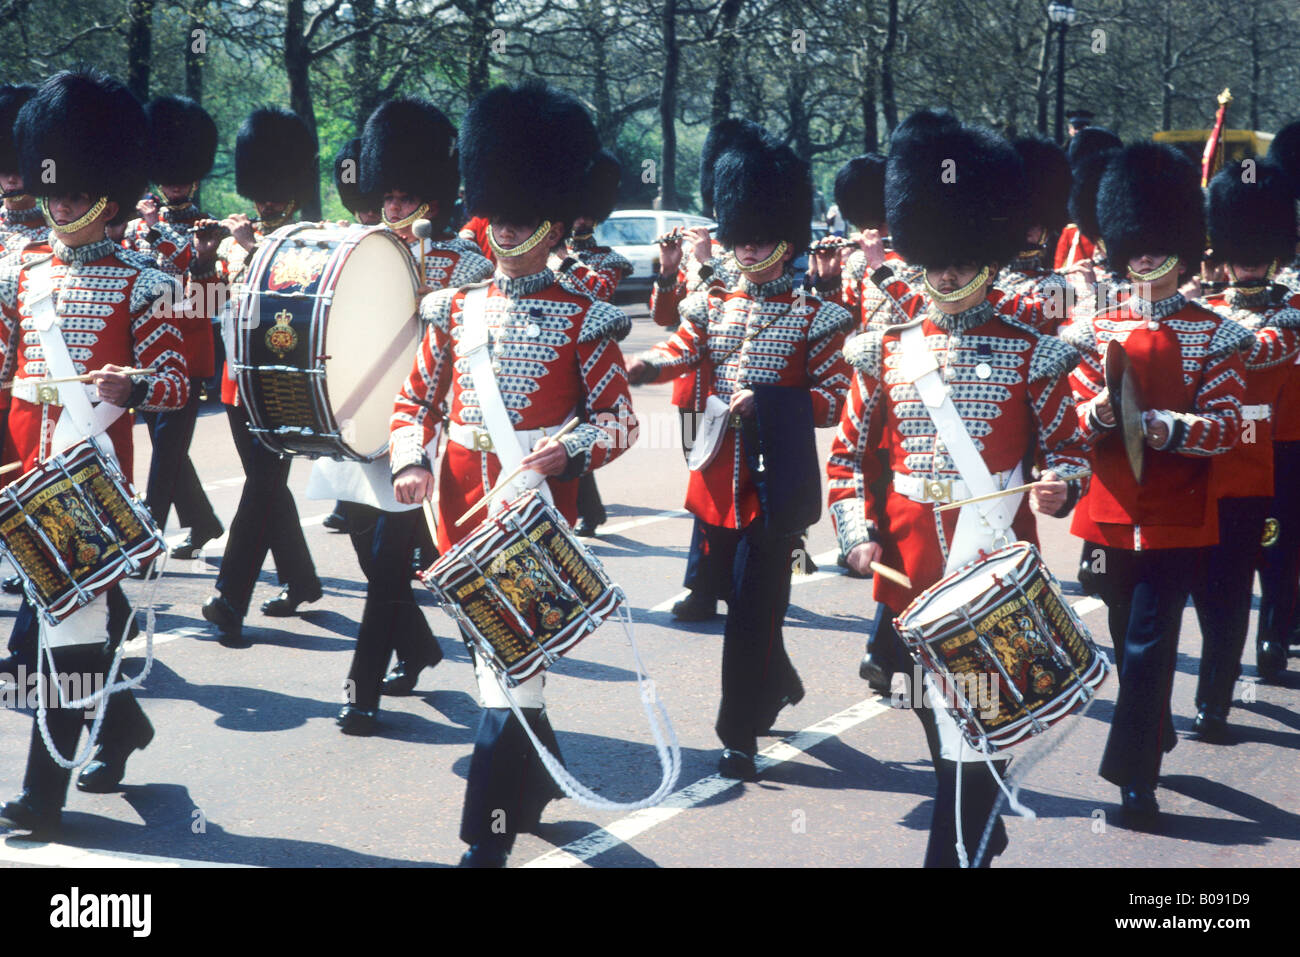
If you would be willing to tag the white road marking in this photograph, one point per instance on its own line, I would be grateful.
(41, 854)
(1087, 605)
(623, 830)
(642, 521)
(667, 604)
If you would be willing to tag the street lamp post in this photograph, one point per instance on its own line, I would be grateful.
(1062, 16)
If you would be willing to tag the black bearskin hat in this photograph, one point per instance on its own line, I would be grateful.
(275, 157)
(1047, 181)
(1252, 223)
(353, 199)
(12, 98)
(860, 191)
(184, 138)
(95, 134)
(762, 193)
(721, 137)
(1091, 140)
(1085, 179)
(408, 144)
(524, 154)
(953, 193)
(1150, 201)
(1285, 152)
(600, 190)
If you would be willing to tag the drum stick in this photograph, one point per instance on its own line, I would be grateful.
(11, 467)
(422, 229)
(895, 576)
(132, 373)
(1011, 491)
(503, 483)
(428, 519)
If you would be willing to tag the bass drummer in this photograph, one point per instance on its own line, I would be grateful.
(275, 167)
(1001, 398)
(407, 156)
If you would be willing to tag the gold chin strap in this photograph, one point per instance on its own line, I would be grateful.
(1166, 267)
(274, 224)
(403, 223)
(81, 223)
(583, 237)
(1253, 290)
(956, 295)
(525, 247)
(180, 204)
(767, 263)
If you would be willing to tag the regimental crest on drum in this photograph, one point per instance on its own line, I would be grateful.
(280, 338)
(296, 270)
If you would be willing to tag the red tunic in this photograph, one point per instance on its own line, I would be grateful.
(1274, 321)
(867, 302)
(598, 268)
(1188, 360)
(1072, 247)
(754, 335)
(1021, 409)
(21, 227)
(557, 352)
(689, 393)
(475, 230)
(106, 300)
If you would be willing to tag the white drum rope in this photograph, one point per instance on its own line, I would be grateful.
(668, 749)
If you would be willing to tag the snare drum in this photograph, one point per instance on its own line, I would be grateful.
(72, 529)
(523, 588)
(1009, 654)
(326, 328)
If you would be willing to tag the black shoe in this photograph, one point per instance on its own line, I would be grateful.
(695, 607)
(876, 677)
(843, 561)
(585, 529)
(105, 773)
(402, 679)
(195, 541)
(484, 855)
(792, 696)
(1270, 659)
(286, 603)
(737, 765)
(219, 611)
(13, 585)
(1211, 727)
(1138, 807)
(24, 813)
(336, 521)
(353, 720)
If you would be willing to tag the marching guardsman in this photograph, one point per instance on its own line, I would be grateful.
(93, 134)
(366, 208)
(860, 195)
(408, 160)
(184, 139)
(275, 167)
(600, 269)
(523, 153)
(1010, 400)
(776, 371)
(1047, 182)
(687, 264)
(1150, 515)
(1252, 231)
(1078, 241)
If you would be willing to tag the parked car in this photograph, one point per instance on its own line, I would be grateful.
(632, 232)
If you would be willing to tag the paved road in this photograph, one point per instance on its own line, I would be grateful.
(248, 767)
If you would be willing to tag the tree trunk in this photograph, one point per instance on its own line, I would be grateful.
(480, 49)
(728, 53)
(297, 66)
(1255, 64)
(1041, 95)
(365, 64)
(888, 105)
(139, 46)
(1167, 75)
(668, 109)
(195, 58)
(867, 98)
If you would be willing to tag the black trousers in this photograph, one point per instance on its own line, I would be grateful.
(1222, 595)
(508, 786)
(756, 671)
(1279, 565)
(1145, 593)
(979, 789)
(590, 506)
(45, 781)
(390, 619)
(266, 520)
(172, 479)
(712, 560)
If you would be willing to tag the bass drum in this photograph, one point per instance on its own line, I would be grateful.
(326, 328)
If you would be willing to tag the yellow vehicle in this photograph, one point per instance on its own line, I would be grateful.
(1236, 145)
